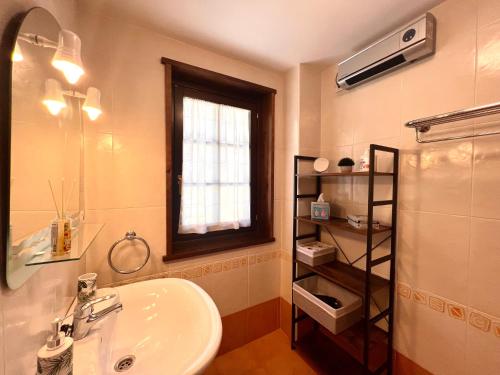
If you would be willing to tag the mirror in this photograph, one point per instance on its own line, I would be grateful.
(46, 189)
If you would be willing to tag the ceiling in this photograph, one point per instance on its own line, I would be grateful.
(275, 33)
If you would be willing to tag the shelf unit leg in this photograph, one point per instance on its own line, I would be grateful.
(369, 239)
(392, 271)
(294, 248)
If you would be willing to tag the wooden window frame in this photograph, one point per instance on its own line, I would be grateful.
(180, 79)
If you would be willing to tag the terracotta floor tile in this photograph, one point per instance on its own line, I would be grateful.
(268, 355)
(238, 361)
(211, 370)
(257, 371)
(269, 346)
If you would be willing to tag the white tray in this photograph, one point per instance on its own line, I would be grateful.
(335, 320)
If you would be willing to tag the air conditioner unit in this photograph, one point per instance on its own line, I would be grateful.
(410, 43)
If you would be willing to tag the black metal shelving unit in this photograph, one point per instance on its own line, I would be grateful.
(372, 340)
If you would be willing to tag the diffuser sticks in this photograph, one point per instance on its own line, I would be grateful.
(60, 228)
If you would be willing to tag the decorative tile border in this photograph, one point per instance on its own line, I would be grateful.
(404, 290)
(420, 297)
(456, 311)
(204, 270)
(497, 329)
(477, 319)
(437, 304)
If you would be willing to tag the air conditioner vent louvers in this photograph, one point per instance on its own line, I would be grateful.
(408, 44)
(377, 69)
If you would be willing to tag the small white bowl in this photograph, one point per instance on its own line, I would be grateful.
(321, 165)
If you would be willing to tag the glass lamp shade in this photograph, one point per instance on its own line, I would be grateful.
(17, 55)
(53, 98)
(68, 58)
(92, 104)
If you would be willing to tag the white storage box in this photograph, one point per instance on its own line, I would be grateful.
(335, 320)
(361, 221)
(315, 253)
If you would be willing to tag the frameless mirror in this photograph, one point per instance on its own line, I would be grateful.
(46, 153)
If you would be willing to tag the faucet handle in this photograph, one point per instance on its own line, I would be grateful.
(87, 308)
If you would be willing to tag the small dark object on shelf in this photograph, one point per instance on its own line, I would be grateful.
(346, 162)
(330, 301)
(345, 165)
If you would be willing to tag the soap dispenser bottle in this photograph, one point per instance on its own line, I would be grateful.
(56, 356)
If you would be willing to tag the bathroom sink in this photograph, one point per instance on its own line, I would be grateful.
(167, 326)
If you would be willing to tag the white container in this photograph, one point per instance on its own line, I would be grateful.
(56, 356)
(361, 222)
(315, 253)
(335, 320)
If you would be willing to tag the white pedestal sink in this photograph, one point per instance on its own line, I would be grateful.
(167, 326)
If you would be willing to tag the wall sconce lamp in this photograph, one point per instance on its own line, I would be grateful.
(53, 98)
(55, 102)
(92, 104)
(67, 58)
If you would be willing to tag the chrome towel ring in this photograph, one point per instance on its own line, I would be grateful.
(129, 236)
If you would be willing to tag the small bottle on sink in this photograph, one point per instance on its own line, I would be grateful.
(56, 356)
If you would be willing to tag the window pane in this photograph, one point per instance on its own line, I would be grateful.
(215, 167)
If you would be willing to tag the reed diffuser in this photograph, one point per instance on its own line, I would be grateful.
(60, 228)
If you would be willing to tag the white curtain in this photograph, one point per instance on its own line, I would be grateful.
(215, 191)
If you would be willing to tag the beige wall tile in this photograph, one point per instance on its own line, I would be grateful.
(482, 351)
(488, 12)
(328, 89)
(430, 338)
(488, 66)
(436, 177)
(286, 279)
(99, 170)
(138, 171)
(378, 107)
(433, 253)
(309, 109)
(484, 266)
(264, 284)
(485, 178)
(445, 81)
(229, 290)
(148, 223)
(343, 106)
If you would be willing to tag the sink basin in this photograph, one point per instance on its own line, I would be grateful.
(167, 326)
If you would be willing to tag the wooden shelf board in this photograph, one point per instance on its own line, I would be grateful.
(351, 340)
(338, 174)
(351, 278)
(343, 353)
(341, 224)
(325, 357)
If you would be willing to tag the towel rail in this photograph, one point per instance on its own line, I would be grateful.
(129, 236)
(424, 125)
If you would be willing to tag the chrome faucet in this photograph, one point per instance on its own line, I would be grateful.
(84, 317)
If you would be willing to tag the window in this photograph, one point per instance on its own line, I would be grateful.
(219, 161)
(215, 180)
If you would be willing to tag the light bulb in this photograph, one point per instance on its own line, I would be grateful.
(53, 99)
(92, 104)
(17, 54)
(53, 106)
(71, 72)
(93, 113)
(68, 58)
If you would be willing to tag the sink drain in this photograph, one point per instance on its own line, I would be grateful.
(124, 363)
